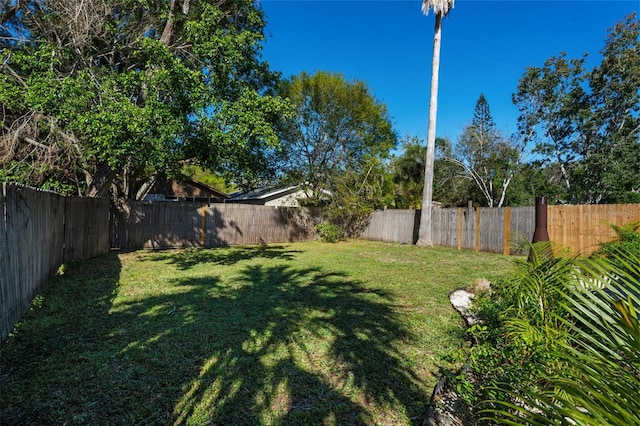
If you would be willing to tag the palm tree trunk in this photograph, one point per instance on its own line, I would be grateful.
(424, 232)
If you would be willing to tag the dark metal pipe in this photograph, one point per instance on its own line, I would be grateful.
(541, 233)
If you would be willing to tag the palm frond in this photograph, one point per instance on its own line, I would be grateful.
(600, 375)
(440, 7)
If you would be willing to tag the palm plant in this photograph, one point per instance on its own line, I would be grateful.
(600, 378)
(522, 328)
(627, 237)
(441, 8)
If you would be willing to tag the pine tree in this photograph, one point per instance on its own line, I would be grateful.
(482, 118)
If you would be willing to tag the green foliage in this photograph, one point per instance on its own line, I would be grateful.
(136, 91)
(329, 232)
(627, 240)
(522, 327)
(489, 161)
(584, 122)
(560, 342)
(601, 376)
(210, 179)
(450, 188)
(357, 194)
(339, 127)
(408, 174)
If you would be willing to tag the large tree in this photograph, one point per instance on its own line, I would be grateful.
(441, 8)
(338, 127)
(104, 93)
(587, 122)
(489, 160)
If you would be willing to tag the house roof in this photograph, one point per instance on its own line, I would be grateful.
(264, 193)
(187, 188)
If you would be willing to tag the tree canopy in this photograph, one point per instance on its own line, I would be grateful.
(586, 123)
(112, 93)
(338, 127)
(489, 159)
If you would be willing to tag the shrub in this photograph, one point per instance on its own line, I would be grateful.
(601, 376)
(627, 239)
(329, 232)
(520, 331)
(560, 342)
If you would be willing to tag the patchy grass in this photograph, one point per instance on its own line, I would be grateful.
(308, 333)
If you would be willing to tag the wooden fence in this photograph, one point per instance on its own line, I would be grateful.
(499, 230)
(137, 224)
(39, 231)
(397, 226)
(506, 230)
(581, 228)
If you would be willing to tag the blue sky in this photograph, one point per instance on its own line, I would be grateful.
(486, 46)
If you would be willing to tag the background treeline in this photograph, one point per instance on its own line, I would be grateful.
(107, 97)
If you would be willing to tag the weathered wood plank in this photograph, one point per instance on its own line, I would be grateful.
(5, 293)
(40, 230)
(175, 225)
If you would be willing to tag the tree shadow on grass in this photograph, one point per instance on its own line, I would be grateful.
(53, 364)
(282, 345)
(277, 345)
(190, 257)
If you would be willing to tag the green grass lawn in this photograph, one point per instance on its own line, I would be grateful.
(305, 333)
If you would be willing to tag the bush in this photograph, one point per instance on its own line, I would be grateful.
(599, 377)
(329, 232)
(627, 240)
(521, 329)
(559, 342)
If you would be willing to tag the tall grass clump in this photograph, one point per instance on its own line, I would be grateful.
(560, 343)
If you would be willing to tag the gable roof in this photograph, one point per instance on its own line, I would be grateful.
(264, 194)
(187, 188)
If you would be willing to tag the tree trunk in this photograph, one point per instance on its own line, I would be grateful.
(101, 181)
(146, 186)
(169, 28)
(167, 33)
(424, 232)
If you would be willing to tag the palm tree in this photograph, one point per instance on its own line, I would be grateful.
(441, 8)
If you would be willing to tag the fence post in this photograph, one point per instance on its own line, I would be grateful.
(506, 234)
(5, 321)
(203, 227)
(477, 229)
(460, 228)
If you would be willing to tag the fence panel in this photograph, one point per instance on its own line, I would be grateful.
(491, 235)
(468, 230)
(582, 228)
(229, 224)
(5, 295)
(444, 225)
(41, 230)
(522, 227)
(34, 245)
(172, 225)
(396, 226)
(86, 227)
(482, 229)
